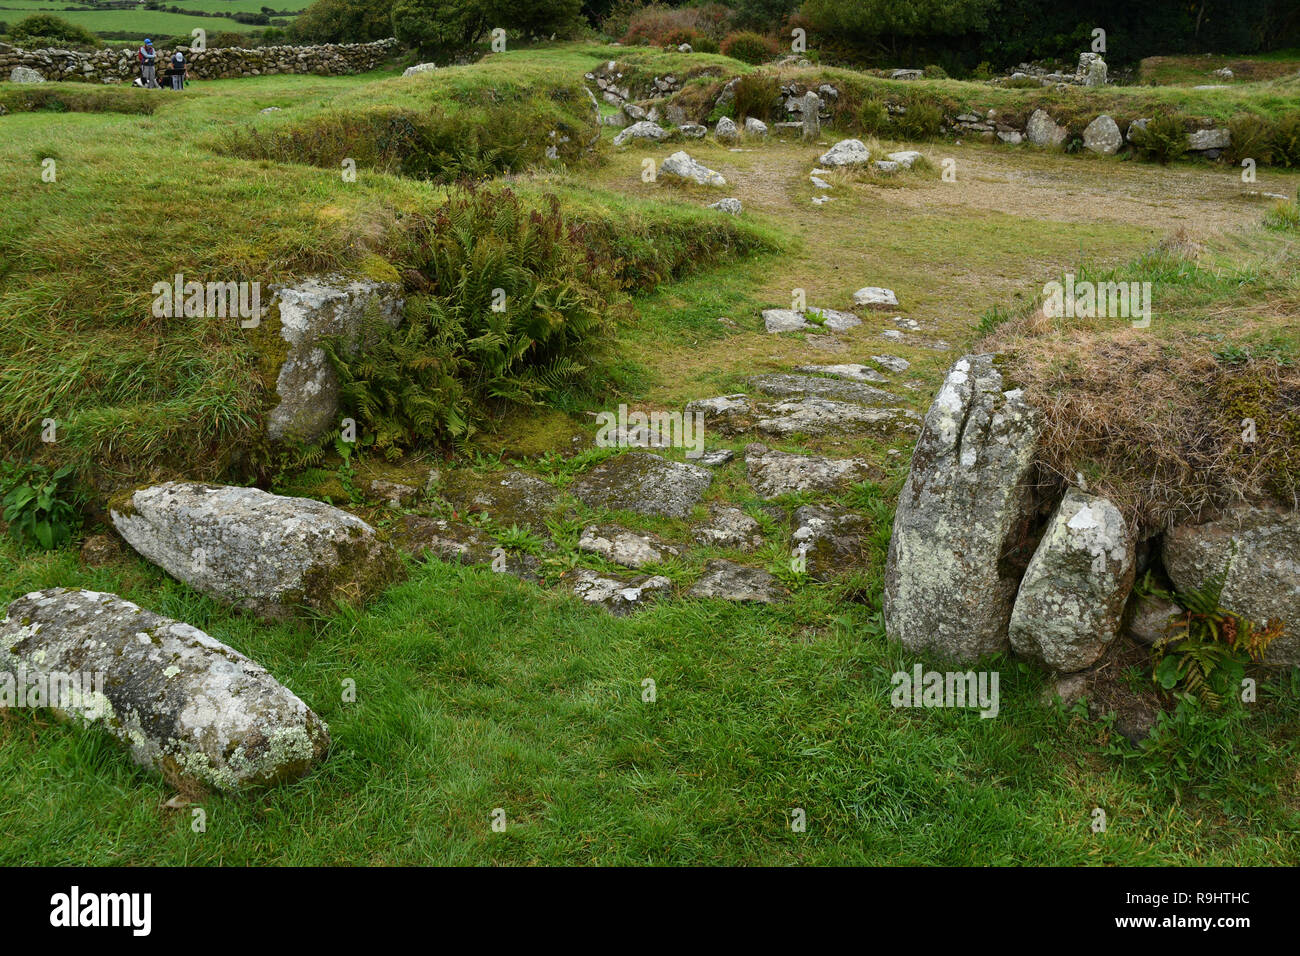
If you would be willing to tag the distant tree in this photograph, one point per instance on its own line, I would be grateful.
(344, 21)
(49, 28)
(441, 25)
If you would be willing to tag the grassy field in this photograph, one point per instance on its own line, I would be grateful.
(476, 691)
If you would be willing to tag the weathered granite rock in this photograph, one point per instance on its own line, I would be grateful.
(1102, 135)
(1042, 130)
(726, 130)
(847, 152)
(23, 74)
(624, 547)
(886, 166)
(833, 319)
(964, 505)
(185, 704)
(728, 581)
(731, 206)
(904, 157)
(261, 552)
(773, 473)
(810, 415)
(755, 127)
(421, 535)
(309, 313)
(832, 539)
(853, 372)
(644, 483)
(1071, 599)
(681, 166)
(617, 596)
(642, 130)
(729, 528)
(1259, 547)
(419, 69)
(1203, 139)
(784, 385)
(693, 130)
(810, 107)
(874, 297)
(892, 362)
(783, 320)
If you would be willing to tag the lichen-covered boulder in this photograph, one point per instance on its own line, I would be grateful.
(847, 152)
(309, 313)
(1258, 546)
(728, 581)
(1102, 135)
(1071, 599)
(24, 74)
(680, 165)
(726, 130)
(832, 540)
(185, 704)
(263, 553)
(642, 130)
(644, 483)
(1042, 130)
(966, 502)
(513, 498)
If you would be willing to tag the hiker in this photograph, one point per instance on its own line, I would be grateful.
(148, 65)
(178, 70)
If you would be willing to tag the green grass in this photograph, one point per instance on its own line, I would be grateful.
(149, 22)
(475, 692)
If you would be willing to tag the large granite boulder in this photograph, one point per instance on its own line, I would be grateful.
(1257, 546)
(642, 130)
(1102, 135)
(1042, 130)
(774, 473)
(966, 503)
(25, 74)
(1071, 599)
(681, 166)
(847, 152)
(260, 552)
(185, 704)
(310, 312)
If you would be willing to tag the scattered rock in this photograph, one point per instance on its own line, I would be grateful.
(726, 130)
(514, 498)
(773, 473)
(261, 552)
(729, 528)
(731, 206)
(618, 597)
(847, 152)
(1071, 599)
(905, 157)
(393, 493)
(187, 705)
(736, 582)
(961, 516)
(892, 362)
(645, 484)
(1070, 688)
(717, 458)
(832, 539)
(681, 165)
(419, 68)
(99, 550)
(819, 183)
(755, 127)
(783, 320)
(692, 130)
(856, 373)
(810, 415)
(886, 166)
(23, 74)
(642, 130)
(906, 74)
(623, 547)
(1203, 139)
(874, 297)
(784, 384)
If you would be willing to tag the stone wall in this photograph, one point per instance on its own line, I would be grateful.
(120, 65)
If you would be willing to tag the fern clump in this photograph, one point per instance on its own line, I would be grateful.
(512, 308)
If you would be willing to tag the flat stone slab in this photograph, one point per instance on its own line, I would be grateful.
(728, 581)
(853, 372)
(645, 484)
(782, 384)
(729, 528)
(773, 473)
(811, 415)
(832, 539)
(264, 553)
(513, 498)
(185, 704)
(875, 297)
(624, 547)
(892, 362)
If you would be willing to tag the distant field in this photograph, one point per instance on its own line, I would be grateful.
(235, 6)
(147, 22)
(1198, 70)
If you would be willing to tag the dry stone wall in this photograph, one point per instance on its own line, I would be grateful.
(119, 65)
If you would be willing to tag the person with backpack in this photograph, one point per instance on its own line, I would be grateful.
(149, 65)
(178, 70)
